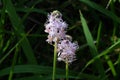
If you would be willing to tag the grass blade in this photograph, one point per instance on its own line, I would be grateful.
(110, 64)
(2, 21)
(94, 52)
(105, 52)
(101, 9)
(13, 64)
(18, 27)
(98, 34)
(46, 70)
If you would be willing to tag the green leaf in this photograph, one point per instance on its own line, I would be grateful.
(98, 34)
(98, 64)
(32, 10)
(101, 9)
(105, 52)
(110, 64)
(43, 72)
(18, 27)
(33, 78)
(27, 69)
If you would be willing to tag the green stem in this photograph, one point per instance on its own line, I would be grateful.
(108, 4)
(13, 64)
(54, 61)
(118, 67)
(67, 70)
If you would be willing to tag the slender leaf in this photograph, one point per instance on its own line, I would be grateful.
(44, 70)
(105, 52)
(18, 27)
(94, 52)
(110, 64)
(98, 34)
(101, 9)
(32, 10)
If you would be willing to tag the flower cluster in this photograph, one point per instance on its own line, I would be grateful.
(56, 28)
(67, 49)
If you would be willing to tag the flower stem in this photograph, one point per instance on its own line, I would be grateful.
(54, 60)
(13, 64)
(67, 70)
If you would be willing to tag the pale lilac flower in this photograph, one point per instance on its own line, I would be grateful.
(66, 50)
(55, 27)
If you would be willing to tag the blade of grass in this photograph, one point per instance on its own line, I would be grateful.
(110, 64)
(93, 49)
(101, 9)
(58, 77)
(118, 67)
(105, 52)
(115, 24)
(98, 34)
(27, 69)
(108, 4)
(18, 43)
(109, 61)
(46, 70)
(32, 10)
(8, 53)
(13, 64)
(18, 27)
(2, 21)
(6, 46)
(33, 78)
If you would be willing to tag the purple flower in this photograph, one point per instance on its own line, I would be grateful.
(66, 50)
(55, 27)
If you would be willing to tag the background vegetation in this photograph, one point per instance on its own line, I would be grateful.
(25, 54)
